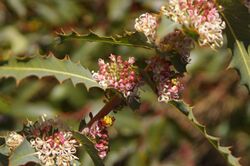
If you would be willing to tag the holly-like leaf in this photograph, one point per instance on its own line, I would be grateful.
(49, 66)
(241, 62)
(131, 39)
(23, 154)
(215, 141)
(237, 19)
(88, 146)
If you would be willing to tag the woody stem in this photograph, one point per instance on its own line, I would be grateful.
(111, 105)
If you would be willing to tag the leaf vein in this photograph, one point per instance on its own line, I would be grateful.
(46, 70)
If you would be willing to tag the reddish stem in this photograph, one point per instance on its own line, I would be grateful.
(111, 105)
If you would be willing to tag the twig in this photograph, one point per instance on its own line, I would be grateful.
(111, 105)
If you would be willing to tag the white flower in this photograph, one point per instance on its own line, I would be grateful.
(58, 149)
(170, 89)
(13, 140)
(199, 15)
(119, 74)
(147, 23)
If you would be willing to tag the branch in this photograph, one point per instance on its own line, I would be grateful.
(111, 105)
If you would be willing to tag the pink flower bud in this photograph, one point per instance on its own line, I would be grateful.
(167, 81)
(98, 132)
(117, 74)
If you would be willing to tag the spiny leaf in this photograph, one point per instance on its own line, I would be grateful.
(49, 66)
(237, 19)
(241, 61)
(88, 146)
(131, 39)
(23, 154)
(215, 141)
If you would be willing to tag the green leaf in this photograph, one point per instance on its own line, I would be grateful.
(215, 141)
(23, 154)
(49, 66)
(131, 39)
(237, 19)
(5, 150)
(241, 61)
(88, 146)
(166, 26)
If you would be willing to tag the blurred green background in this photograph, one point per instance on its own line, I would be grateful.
(154, 135)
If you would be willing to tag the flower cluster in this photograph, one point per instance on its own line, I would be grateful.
(178, 42)
(53, 143)
(168, 81)
(147, 23)
(118, 74)
(56, 149)
(13, 140)
(98, 133)
(200, 16)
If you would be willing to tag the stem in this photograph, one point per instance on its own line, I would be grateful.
(111, 105)
(180, 106)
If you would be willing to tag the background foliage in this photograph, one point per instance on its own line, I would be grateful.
(155, 134)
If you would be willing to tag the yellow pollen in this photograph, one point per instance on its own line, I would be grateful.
(108, 120)
(174, 81)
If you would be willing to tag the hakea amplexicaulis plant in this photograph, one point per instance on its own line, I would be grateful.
(54, 144)
(58, 148)
(98, 133)
(201, 23)
(199, 16)
(200, 19)
(118, 74)
(168, 82)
